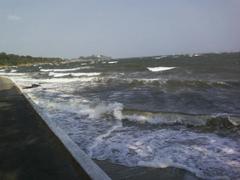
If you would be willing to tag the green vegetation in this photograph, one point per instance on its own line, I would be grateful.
(16, 60)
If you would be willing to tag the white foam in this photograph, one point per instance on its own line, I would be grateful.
(13, 71)
(166, 118)
(11, 74)
(102, 109)
(206, 155)
(85, 74)
(159, 57)
(53, 83)
(46, 70)
(112, 62)
(60, 70)
(80, 107)
(94, 129)
(203, 154)
(53, 74)
(101, 138)
(157, 69)
(93, 170)
(58, 74)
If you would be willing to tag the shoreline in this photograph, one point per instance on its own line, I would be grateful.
(52, 157)
(116, 171)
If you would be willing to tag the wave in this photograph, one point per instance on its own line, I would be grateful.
(103, 109)
(159, 57)
(13, 71)
(57, 75)
(117, 110)
(175, 83)
(64, 70)
(214, 121)
(160, 68)
(85, 74)
(112, 62)
(205, 144)
(12, 74)
(205, 154)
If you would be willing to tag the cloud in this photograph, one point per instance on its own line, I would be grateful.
(13, 18)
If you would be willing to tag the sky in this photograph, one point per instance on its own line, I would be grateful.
(118, 28)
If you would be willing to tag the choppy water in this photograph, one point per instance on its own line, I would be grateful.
(177, 111)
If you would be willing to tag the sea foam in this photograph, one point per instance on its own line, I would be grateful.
(99, 129)
(112, 62)
(62, 70)
(56, 75)
(157, 69)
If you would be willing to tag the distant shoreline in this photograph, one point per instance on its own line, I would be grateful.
(11, 60)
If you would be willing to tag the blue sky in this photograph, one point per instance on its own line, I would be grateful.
(123, 28)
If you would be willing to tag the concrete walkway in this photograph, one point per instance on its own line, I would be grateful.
(28, 149)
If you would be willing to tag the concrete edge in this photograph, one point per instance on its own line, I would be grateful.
(86, 163)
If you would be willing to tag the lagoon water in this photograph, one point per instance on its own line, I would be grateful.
(165, 111)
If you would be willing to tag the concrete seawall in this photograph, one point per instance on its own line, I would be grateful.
(31, 147)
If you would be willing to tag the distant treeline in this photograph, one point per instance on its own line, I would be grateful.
(15, 60)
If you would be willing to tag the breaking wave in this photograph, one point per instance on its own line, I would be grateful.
(189, 120)
(206, 155)
(132, 115)
(112, 62)
(157, 69)
(60, 70)
(56, 75)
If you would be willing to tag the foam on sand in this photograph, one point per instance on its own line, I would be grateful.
(160, 68)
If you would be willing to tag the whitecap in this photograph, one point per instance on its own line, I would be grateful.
(60, 70)
(57, 75)
(11, 74)
(85, 74)
(112, 62)
(160, 68)
(206, 155)
(159, 57)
